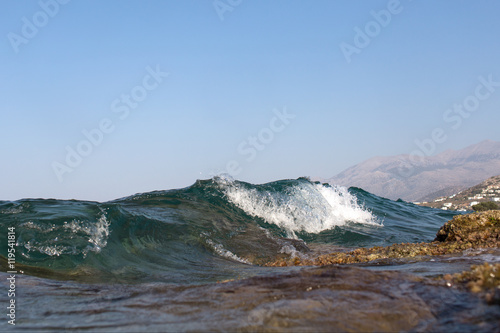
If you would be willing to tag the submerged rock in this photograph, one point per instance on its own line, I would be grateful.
(477, 230)
(482, 279)
(317, 299)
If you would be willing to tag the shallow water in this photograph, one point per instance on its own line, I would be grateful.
(307, 299)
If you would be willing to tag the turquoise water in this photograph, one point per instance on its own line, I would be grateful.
(178, 241)
(215, 229)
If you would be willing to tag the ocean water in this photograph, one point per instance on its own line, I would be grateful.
(154, 261)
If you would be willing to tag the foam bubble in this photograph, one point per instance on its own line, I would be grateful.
(220, 250)
(95, 233)
(301, 207)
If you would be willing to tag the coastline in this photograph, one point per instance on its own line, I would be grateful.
(463, 232)
(475, 231)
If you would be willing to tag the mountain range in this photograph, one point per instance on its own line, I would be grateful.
(488, 190)
(422, 178)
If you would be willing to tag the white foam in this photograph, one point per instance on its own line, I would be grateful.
(303, 207)
(220, 250)
(97, 233)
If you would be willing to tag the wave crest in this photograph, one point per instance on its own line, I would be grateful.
(304, 206)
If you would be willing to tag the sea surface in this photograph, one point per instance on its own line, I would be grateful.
(193, 259)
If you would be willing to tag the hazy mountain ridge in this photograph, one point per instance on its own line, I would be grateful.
(442, 193)
(445, 173)
(488, 190)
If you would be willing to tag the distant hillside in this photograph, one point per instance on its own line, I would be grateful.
(489, 190)
(442, 193)
(443, 174)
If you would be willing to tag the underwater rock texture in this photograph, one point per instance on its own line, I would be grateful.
(318, 299)
(477, 230)
(482, 279)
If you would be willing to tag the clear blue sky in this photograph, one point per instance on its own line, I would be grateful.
(68, 66)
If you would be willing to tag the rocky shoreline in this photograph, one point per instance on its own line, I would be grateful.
(314, 299)
(464, 232)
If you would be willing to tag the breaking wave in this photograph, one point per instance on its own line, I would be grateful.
(215, 229)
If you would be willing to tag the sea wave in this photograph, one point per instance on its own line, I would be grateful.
(302, 206)
(214, 229)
